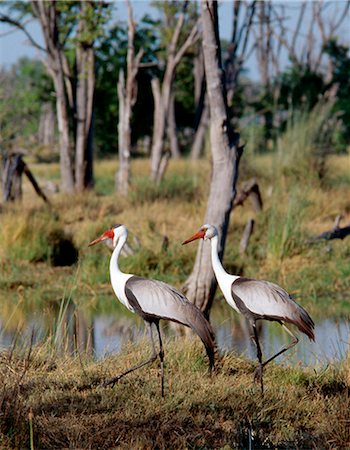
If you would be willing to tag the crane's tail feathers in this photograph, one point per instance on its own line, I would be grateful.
(305, 324)
(203, 329)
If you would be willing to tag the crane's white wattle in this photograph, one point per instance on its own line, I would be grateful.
(223, 278)
(118, 278)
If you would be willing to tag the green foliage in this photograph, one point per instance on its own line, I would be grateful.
(110, 59)
(300, 87)
(340, 60)
(24, 88)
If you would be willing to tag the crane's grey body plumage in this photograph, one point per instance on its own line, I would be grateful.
(276, 304)
(154, 300)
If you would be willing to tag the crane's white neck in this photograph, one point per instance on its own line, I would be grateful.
(119, 278)
(113, 264)
(218, 268)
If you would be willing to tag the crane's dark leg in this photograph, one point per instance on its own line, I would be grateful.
(284, 349)
(258, 376)
(153, 357)
(161, 356)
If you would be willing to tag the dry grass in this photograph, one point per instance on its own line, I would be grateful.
(300, 409)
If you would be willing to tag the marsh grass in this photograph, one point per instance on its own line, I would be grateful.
(278, 250)
(301, 408)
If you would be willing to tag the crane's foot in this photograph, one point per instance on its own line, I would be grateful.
(258, 377)
(112, 381)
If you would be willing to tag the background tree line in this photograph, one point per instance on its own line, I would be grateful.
(155, 88)
(85, 53)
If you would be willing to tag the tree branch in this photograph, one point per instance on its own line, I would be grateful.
(6, 19)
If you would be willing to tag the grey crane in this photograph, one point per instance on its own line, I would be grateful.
(256, 300)
(153, 300)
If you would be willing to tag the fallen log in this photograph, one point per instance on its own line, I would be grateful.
(335, 233)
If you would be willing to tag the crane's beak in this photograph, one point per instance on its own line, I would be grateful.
(106, 235)
(199, 235)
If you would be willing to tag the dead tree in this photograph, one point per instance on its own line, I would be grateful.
(306, 49)
(201, 106)
(56, 62)
(46, 131)
(127, 94)
(248, 231)
(201, 284)
(85, 87)
(162, 96)
(250, 189)
(73, 92)
(13, 169)
(240, 47)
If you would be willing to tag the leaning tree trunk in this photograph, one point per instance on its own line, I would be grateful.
(201, 285)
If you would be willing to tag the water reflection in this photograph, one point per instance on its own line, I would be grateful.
(104, 334)
(331, 343)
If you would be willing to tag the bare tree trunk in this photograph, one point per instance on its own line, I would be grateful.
(81, 119)
(238, 50)
(67, 179)
(158, 129)
(201, 285)
(123, 173)
(202, 108)
(46, 131)
(171, 131)
(47, 15)
(14, 167)
(127, 98)
(85, 62)
(248, 230)
(199, 137)
(162, 96)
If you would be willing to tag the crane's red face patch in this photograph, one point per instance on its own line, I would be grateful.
(199, 235)
(109, 234)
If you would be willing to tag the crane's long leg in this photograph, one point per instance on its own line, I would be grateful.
(284, 349)
(258, 371)
(258, 374)
(161, 356)
(138, 366)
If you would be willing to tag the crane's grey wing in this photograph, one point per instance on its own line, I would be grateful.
(158, 299)
(266, 300)
(154, 300)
